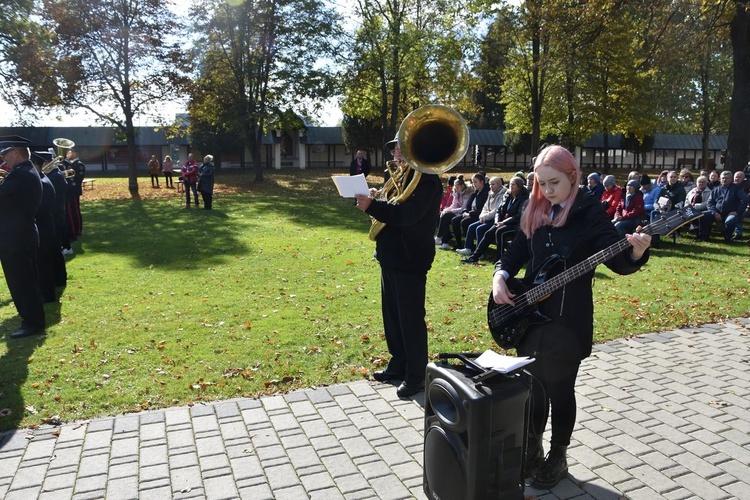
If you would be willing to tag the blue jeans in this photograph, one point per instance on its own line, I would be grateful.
(189, 186)
(476, 232)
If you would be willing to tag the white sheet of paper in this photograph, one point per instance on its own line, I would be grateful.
(349, 185)
(503, 364)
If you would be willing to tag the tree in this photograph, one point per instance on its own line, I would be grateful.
(264, 57)
(738, 142)
(114, 60)
(22, 39)
(407, 53)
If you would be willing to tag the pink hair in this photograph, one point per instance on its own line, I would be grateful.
(538, 211)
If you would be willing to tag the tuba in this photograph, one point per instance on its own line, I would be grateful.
(62, 144)
(432, 140)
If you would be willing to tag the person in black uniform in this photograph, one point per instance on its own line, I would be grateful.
(74, 219)
(20, 197)
(57, 178)
(46, 227)
(405, 249)
(562, 220)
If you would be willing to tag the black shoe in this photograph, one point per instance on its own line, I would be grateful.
(26, 332)
(407, 389)
(554, 468)
(534, 456)
(387, 376)
(470, 260)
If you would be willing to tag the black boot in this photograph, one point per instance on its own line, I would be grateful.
(554, 468)
(534, 455)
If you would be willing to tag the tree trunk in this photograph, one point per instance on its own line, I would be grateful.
(738, 143)
(132, 157)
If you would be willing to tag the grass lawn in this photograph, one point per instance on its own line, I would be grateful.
(276, 289)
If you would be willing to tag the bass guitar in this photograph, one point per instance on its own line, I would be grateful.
(509, 323)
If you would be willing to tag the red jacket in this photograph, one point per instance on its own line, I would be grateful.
(190, 172)
(610, 199)
(634, 211)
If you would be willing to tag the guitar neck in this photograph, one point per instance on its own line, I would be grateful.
(541, 291)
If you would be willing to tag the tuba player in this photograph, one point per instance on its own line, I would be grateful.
(405, 249)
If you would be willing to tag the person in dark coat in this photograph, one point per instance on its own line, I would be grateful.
(206, 182)
(560, 220)
(726, 205)
(461, 223)
(46, 227)
(74, 219)
(20, 197)
(360, 165)
(507, 218)
(57, 178)
(405, 249)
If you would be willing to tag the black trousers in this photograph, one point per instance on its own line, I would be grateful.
(403, 299)
(58, 259)
(168, 179)
(554, 386)
(19, 266)
(208, 200)
(460, 225)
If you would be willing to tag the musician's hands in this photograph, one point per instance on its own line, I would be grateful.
(640, 242)
(500, 291)
(363, 201)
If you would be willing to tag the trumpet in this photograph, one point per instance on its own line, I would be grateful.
(69, 173)
(62, 144)
(432, 140)
(3, 174)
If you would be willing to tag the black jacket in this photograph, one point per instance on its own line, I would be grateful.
(20, 196)
(407, 241)
(481, 199)
(569, 334)
(365, 167)
(510, 211)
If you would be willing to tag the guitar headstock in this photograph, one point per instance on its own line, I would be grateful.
(672, 221)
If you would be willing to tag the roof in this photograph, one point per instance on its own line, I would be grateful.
(323, 135)
(91, 136)
(486, 137)
(688, 141)
(663, 141)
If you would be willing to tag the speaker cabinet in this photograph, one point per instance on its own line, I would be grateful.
(475, 434)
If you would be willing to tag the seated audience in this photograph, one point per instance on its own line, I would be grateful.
(461, 196)
(650, 193)
(698, 199)
(507, 218)
(726, 205)
(486, 218)
(686, 177)
(460, 223)
(713, 179)
(744, 184)
(671, 196)
(594, 186)
(630, 210)
(448, 195)
(611, 196)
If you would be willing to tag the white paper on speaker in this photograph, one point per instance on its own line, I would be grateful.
(349, 185)
(503, 364)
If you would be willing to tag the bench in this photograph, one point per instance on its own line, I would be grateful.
(180, 185)
(88, 182)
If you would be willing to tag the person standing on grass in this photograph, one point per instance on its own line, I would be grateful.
(153, 170)
(206, 181)
(560, 220)
(167, 167)
(189, 172)
(405, 250)
(20, 197)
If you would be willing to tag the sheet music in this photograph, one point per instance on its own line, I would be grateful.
(349, 185)
(503, 364)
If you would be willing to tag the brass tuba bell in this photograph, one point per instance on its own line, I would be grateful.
(432, 140)
(62, 144)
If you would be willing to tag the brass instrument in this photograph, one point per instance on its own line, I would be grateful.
(432, 140)
(3, 174)
(69, 173)
(62, 144)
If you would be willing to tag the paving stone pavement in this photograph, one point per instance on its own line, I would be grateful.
(661, 416)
